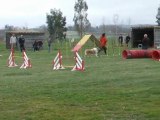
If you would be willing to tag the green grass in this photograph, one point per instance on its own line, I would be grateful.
(110, 88)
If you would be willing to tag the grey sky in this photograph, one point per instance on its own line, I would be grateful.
(32, 13)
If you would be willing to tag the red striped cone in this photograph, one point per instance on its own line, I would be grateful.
(26, 61)
(57, 62)
(11, 60)
(79, 63)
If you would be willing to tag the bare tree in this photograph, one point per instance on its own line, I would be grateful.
(158, 16)
(103, 25)
(115, 20)
(80, 17)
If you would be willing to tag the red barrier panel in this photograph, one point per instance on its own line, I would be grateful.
(126, 54)
(156, 55)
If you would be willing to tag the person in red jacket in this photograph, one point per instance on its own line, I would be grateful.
(103, 42)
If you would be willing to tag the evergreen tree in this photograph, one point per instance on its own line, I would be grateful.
(80, 17)
(56, 24)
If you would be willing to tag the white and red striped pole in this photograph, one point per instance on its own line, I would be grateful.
(11, 60)
(57, 62)
(26, 61)
(79, 65)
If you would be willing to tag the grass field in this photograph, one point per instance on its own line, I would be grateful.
(110, 88)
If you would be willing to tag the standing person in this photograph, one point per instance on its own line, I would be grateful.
(103, 42)
(128, 38)
(21, 43)
(13, 40)
(49, 44)
(35, 45)
(120, 39)
(145, 42)
(64, 35)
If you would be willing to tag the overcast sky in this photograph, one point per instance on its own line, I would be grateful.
(32, 13)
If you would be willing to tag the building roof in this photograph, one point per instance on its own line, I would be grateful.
(145, 26)
(25, 32)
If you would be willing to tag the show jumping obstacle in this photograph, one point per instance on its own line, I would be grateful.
(26, 61)
(11, 60)
(79, 65)
(57, 62)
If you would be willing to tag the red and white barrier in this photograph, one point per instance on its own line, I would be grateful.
(79, 63)
(26, 61)
(57, 62)
(11, 60)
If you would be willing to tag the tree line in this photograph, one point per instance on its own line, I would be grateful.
(56, 23)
